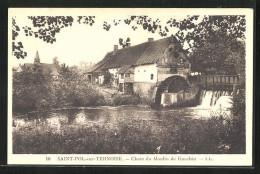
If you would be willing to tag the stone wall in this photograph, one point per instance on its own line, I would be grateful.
(149, 90)
(182, 98)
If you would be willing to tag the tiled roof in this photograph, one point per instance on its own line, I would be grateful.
(126, 56)
(145, 53)
(100, 63)
(154, 51)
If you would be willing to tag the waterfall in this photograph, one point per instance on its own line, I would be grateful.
(206, 98)
(210, 98)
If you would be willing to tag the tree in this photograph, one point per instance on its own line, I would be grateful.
(124, 43)
(108, 78)
(198, 34)
(215, 43)
(44, 28)
(56, 62)
(218, 57)
(17, 47)
(31, 88)
(65, 71)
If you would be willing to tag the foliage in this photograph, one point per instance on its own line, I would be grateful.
(31, 89)
(239, 110)
(34, 89)
(108, 78)
(215, 43)
(195, 32)
(126, 100)
(218, 57)
(147, 23)
(55, 61)
(88, 20)
(17, 47)
(48, 26)
(124, 43)
(129, 135)
(44, 28)
(239, 104)
(106, 26)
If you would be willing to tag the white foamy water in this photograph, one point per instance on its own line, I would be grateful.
(216, 102)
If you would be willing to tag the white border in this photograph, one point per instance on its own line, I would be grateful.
(217, 160)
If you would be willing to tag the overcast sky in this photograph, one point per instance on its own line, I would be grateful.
(81, 42)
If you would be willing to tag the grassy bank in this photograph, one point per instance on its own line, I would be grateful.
(181, 135)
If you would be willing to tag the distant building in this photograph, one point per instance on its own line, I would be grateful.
(17, 69)
(49, 69)
(141, 68)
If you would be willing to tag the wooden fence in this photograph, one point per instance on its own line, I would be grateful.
(219, 82)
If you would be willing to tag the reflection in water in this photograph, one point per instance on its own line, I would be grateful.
(18, 122)
(80, 118)
(55, 120)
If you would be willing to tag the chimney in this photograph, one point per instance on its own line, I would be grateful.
(128, 45)
(115, 47)
(150, 39)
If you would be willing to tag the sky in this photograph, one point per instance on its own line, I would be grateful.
(81, 42)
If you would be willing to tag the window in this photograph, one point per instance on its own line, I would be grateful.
(127, 75)
(151, 76)
(122, 76)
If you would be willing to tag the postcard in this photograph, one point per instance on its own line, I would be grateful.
(130, 86)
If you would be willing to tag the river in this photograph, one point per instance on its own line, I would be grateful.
(105, 115)
(120, 129)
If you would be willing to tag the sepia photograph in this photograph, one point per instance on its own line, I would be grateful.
(130, 86)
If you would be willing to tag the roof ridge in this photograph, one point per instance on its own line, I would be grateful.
(147, 48)
(130, 55)
(142, 43)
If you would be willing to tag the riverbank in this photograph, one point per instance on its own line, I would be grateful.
(126, 130)
(62, 96)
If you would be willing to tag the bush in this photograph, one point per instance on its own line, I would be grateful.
(86, 95)
(35, 90)
(126, 100)
(131, 135)
(230, 130)
(239, 104)
(31, 90)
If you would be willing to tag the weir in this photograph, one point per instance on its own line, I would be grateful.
(219, 82)
(203, 91)
(218, 90)
(210, 98)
